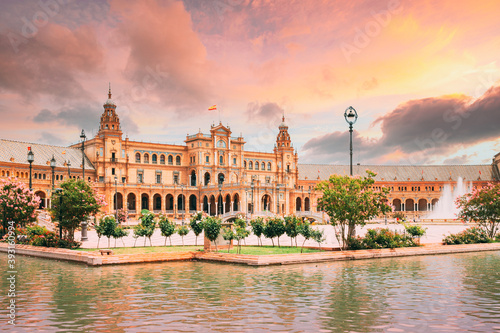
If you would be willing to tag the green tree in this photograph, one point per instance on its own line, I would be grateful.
(167, 228)
(120, 232)
(74, 204)
(291, 228)
(306, 231)
(350, 201)
(182, 230)
(212, 226)
(196, 225)
(275, 227)
(318, 236)
(107, 225)
(228, 235)
(147, 226)
(482, 205)
(17, 203)
(241, 233)
(258, 227)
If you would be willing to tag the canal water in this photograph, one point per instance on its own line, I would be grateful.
(446, 293)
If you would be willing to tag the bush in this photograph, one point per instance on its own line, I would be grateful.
(472, 235)
(415, 230)
(381, 238)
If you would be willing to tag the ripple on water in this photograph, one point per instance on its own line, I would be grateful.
(431, 293)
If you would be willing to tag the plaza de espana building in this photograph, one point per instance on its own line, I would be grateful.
(213, 172)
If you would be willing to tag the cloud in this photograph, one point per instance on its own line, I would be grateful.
(167, 61)
(419, 131)
(49, 62)
(458, 160)
(268, 112)
(84, 116)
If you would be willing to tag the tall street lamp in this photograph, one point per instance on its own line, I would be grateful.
(31, 158)
(116, 199)
(69, 171)
(183, 201)
(83, 137)
(219, 201)
(53, 166)
(252, 187)
(277, 198)
(350, 116)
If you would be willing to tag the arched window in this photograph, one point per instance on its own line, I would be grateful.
(250, 165)
(154, 159)
(178, 160)
(221, 160)
(221, 144)
(170, 160)
(245, 164)
(146, 158)
(256, 165)
(137, 158)
(162, 159)
(269, 166)
(263, 166)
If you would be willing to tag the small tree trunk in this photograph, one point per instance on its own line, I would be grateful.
(150, 244)
(145, 241)
(302, 248)
(123, 243)
(272, 240)
(165, 244)
(279, 241)
(170, 240)
(98, 240)
(215, 242)
(115, 242)
(182, 240)
(135, 242)
(108, 241)
(196, 241)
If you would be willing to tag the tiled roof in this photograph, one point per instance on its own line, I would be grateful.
(400, 172)
(17, 152)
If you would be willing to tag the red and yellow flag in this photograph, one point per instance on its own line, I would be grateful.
(212, 108)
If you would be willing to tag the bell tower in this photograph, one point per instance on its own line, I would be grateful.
(110, 123)
(283, 142)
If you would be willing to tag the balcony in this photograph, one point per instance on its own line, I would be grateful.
(113, 160)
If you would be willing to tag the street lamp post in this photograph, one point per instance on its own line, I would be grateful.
(350, 116)
(183, 200)
(31, 158)
(69, 171)
(246, 205)
(53, 166)
(116, 199)
(277, 199)
(310, 199)
(219, 201)
(252, 186)
(83, 137)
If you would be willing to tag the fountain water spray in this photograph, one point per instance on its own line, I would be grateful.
(446, 207)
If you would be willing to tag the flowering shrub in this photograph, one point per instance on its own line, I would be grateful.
(40, 236)
(381, 238)
(483, 206)
(17, 203)
(470, 235)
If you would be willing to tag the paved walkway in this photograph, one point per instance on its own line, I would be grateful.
(435, 234)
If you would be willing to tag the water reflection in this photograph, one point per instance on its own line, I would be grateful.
(428, 293)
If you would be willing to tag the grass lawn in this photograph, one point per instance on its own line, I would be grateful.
(253, 250)
(267, 250)
(149, 249)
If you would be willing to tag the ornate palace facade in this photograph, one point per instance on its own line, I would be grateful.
(213, 172)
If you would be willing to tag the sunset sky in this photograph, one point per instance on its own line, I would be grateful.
(423, 76)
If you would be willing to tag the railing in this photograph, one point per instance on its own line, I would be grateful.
(113, 159)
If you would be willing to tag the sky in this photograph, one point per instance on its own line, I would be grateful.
(423, 76)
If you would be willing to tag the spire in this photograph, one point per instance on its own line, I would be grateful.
(109, 92)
